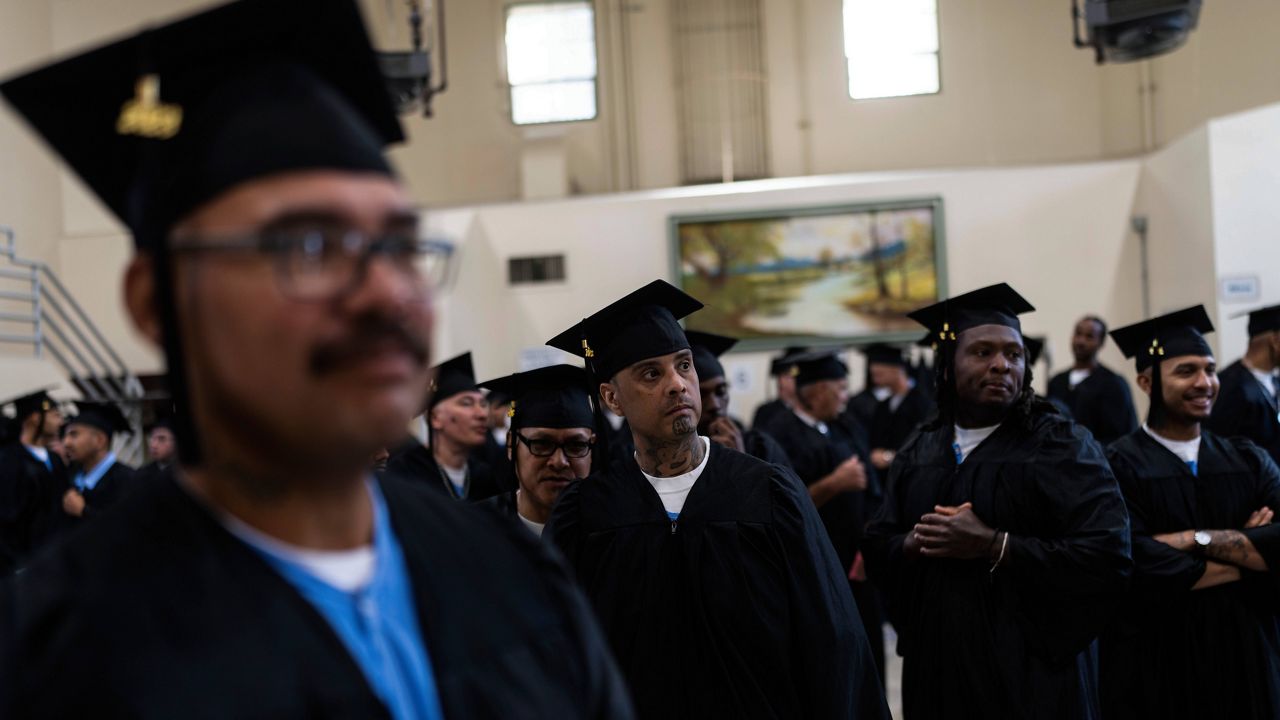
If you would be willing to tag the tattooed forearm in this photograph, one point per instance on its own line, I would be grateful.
(1231, 546)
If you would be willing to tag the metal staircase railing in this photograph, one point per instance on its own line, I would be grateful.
(38, 311)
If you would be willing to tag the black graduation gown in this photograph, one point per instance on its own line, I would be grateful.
(760, 444)
(1101, 402)
(890, 428)
(738, 609)
(156, 611)
(1179, 653)
(862, 408)
(814, 456)
(416, 463)
(766, 413)
(28, 493)
(493, 455)
(1016, 643)
(1245, 409)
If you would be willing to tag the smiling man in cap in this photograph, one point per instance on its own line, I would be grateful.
(709, 569)
(1002, 542)
(279, 264)
(1200, 631)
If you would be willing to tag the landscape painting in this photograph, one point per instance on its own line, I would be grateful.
(812, 276)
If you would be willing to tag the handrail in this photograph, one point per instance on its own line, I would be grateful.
(61, 327)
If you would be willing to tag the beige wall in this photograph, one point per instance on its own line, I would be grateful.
(1228, 65)
(1027, 226)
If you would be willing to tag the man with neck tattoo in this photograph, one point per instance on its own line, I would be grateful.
(549, 440)
(1003, 541)
(280, 264)
(32, 478)
(708, 568)
(1199, 635)
(457, 425)
(1247, 403)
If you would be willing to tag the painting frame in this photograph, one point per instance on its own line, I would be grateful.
(934, 204)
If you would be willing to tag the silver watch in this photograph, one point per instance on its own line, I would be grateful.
(1202, 538)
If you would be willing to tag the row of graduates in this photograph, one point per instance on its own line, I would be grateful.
(56, 473)
(998, 529)
(700, 582)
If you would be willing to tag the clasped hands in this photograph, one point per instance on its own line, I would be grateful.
(951, 532)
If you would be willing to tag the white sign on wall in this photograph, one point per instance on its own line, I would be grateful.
(1240, 288)
(741, 376)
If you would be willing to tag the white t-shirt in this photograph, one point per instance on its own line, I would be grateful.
(1077, 376)
(969, 438)
(456, 476)
(1187, 450)
(535, 527)
(346, 570)
(881, 393)
(673, 491)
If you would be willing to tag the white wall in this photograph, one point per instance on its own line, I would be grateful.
(1245, 173)
(1058, 234)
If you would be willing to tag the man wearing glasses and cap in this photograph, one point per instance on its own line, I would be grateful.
(279, 264)
(1199, 635)
(31, 478)
(550, 440)
(1002, 541)
(709, 569)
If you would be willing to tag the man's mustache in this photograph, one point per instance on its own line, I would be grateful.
(371, 336)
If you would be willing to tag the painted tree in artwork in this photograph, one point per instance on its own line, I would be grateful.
(715, 250)
(877, 260)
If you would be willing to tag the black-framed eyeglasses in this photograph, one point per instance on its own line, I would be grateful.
(542, 447)
(321, 260)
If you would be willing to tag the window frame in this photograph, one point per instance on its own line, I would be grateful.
(937, 54)
(506, 78)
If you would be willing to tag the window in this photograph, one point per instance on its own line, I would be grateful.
(551, 62)
(891, 47)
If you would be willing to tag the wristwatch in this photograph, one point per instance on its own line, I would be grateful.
(1202, 538)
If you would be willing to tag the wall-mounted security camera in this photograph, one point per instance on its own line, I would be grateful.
(1128, 30)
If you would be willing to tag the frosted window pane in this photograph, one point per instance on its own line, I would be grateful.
(891, 47)
(553, 102)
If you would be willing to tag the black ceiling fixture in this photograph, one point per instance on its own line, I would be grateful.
(408, 73)
(1128, 30)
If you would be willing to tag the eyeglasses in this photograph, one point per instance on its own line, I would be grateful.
(542, 447)
(317, 260)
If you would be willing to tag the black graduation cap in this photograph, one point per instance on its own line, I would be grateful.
(816, 366)
(782, 365)
(550, 397)
(160, 122)
(992, 305)
(639, 326)
(33, 402)
(707, 349)
(1035, 346)
(1177, 333)
(451, 377)
(882, 354)
(102, 416)
(1262, 320)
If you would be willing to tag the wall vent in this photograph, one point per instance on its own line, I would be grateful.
(535, 270)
